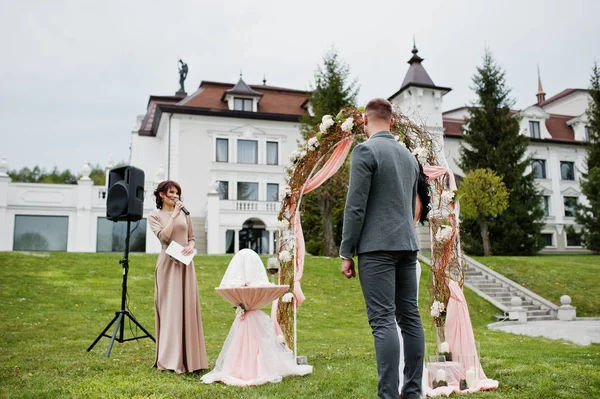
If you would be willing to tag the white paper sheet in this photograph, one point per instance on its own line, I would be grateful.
(174, 249)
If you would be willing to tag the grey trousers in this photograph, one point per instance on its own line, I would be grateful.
(389, 284)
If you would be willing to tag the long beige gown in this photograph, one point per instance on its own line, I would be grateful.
(179, 336)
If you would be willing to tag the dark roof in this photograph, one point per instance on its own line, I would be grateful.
(275, 100)
(417, 76)
(560, 95)
(277, 103)
(453, 127)
(556, 125)
(153, 101)
(241, 88)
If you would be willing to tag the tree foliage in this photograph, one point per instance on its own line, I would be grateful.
(56, 176)
(323, 208)
(483, 194)
(589, 215)
(492, 140)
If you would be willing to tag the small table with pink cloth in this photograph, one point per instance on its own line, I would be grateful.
(252, 354)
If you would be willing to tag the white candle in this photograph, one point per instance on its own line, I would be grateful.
(470, 377)
(444, 347)
(440, 375)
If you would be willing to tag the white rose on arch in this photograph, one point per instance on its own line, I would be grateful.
(285, 191)
(287, 298)
(284, 224)
(436, 309)
(444, 233)
(312, 144)
(348, 125)
(327, 121)
(285, 256)
(294, 156)
(421, 154)
(447, 196)
(303, 154)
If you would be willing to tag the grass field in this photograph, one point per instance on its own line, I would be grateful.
(52, 308)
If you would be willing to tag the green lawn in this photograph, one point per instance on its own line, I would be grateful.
(552, 276)
(52, 308)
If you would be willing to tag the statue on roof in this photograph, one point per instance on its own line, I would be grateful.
(183, 71)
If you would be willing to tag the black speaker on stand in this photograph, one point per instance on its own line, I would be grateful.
(124, 202)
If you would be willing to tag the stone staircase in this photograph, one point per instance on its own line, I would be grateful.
(499, 290)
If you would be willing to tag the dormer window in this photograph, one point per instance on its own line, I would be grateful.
(242, 97)
(242, 104)
(534, 129)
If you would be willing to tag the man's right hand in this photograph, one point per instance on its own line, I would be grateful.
(348, 268)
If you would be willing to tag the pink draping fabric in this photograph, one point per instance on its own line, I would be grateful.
(459, 330)
(252, 354)
(252, 298)
(460, 338)
(435, 172)
(329, 169)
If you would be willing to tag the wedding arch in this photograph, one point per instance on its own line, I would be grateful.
(319, 158)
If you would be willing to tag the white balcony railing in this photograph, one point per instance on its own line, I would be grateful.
(250, 206)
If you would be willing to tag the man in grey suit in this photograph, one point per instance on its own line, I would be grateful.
(378, 227)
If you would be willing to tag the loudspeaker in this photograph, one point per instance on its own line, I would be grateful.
(125, 197)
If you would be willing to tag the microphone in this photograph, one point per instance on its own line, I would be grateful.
(183, 209)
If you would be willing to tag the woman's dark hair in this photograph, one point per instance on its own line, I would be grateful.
(423, 193)
(163, 187)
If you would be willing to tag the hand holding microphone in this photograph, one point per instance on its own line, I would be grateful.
(182, 208)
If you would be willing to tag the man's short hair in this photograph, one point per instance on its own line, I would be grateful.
(380, 109)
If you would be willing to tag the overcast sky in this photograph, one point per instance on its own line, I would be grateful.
(75, 74)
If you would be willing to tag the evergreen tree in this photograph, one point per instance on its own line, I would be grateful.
(492, 140)
(323, 208)
(589, 215)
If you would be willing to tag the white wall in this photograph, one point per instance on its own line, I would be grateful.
(452, 153)
(193, 165)
(574, 104)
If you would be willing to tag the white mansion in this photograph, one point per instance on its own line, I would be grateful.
(227, 145)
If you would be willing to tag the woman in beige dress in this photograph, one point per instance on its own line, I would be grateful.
(179, 336)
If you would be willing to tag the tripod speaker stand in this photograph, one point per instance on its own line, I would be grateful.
(124, 201)
(120, 315)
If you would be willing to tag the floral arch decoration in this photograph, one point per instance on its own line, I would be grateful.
(321, 156)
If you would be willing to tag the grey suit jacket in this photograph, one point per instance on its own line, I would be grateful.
(381, 201)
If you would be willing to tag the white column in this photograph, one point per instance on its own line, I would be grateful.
(85, 238)
(271, 245)
(212, 223)
(5, 244)
(553, 173)
(236, 240)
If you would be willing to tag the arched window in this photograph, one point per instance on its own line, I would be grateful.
(567, 171)
(539, 168)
